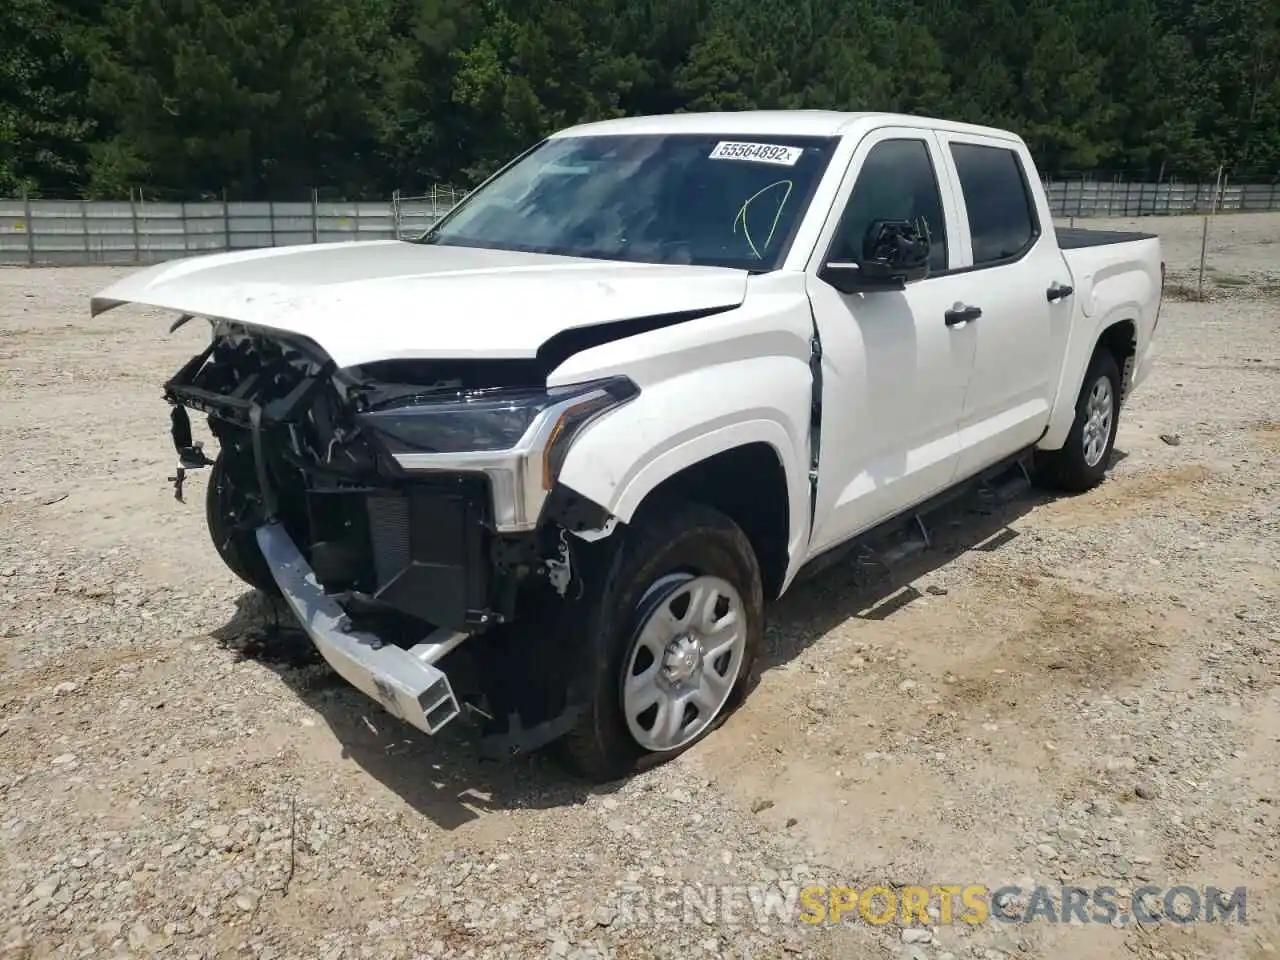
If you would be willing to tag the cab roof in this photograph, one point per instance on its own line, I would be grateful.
(811, 123)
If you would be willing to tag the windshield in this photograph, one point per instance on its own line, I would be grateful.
(674, 199)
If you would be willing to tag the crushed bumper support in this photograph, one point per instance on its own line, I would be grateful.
(406, 682)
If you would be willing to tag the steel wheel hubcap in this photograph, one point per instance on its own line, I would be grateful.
(1099, 411)
(684, 660)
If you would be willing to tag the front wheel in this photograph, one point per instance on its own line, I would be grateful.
(1082, 461)
(672, 641)
(226, 504)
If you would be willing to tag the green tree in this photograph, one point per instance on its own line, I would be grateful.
(260, 97)
(539, 67)
(423, 134)
(1153, 123)
(1064, 112)
(43, 123)
(270, 97)
(1237, 43)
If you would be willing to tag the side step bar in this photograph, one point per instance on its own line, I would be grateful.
(406, 682)
(909, 529)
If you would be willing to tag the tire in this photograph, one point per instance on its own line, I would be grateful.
(237, 547)
(679, 550)
(1079, 466)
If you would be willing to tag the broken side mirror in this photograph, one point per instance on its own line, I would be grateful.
(894, 253)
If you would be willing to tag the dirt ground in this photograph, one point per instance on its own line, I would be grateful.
(1076, 691)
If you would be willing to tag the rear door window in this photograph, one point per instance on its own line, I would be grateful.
(1002, 219)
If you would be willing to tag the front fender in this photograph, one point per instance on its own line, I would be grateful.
(679, 422)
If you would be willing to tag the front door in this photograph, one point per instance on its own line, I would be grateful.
(894, 373)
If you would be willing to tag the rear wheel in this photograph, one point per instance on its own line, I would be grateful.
(673, 639)
(226, 504)
(1082, 461)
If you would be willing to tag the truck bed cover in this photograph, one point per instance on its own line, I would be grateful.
(1073, 238)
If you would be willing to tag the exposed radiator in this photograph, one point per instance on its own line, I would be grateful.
(388, 535)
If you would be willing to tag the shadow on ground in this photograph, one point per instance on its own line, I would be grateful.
(863, 586)
(443, 778)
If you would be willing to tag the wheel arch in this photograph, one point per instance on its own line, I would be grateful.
(1121, 339)
(748, 484)
(679, 434)
(1116, 333)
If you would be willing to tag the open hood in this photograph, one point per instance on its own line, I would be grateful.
(365, 301)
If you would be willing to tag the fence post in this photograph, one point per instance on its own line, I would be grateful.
(271, 221)
(1204, 243)
(84, 226)
(315, 215)
(226, 221)
(31, 230)
(133, 220)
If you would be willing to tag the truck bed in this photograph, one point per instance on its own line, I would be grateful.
(1074, 238)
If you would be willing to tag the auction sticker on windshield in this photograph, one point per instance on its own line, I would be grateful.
(758, 152)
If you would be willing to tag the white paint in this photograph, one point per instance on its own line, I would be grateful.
(894, 379)
(1124, 286)
(381, 300)
(910, 405)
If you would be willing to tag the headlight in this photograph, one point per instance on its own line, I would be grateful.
(518, 436)
(477, 421)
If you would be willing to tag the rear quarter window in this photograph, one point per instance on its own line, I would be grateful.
(1002, 218)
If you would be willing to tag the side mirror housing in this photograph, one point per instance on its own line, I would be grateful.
(894, 253)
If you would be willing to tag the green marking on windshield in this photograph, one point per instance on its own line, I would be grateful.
(742, 214)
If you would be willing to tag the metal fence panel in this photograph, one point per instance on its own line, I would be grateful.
(1088, 198)
(290, 223)
(34, 232)
(245, 240)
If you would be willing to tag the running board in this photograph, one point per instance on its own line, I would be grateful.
(907, 547)
(1011, 489)
(909, 544)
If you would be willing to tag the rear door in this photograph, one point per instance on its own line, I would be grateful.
(1007, 262)
(893, 373)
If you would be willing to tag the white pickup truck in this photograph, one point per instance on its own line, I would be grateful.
(543, 466)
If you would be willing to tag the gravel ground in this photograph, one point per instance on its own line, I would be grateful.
(1078, 690)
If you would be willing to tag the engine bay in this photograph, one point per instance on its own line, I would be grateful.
(418, 544)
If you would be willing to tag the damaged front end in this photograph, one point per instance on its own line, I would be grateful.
(400, 507)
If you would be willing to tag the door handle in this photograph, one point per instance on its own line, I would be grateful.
(961, 313)
(1059, 291)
